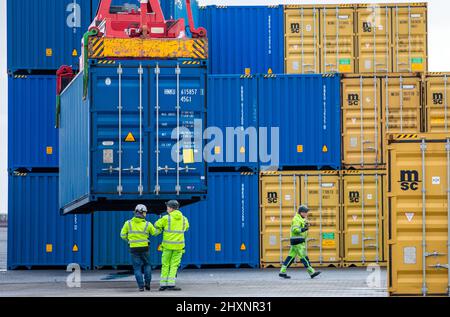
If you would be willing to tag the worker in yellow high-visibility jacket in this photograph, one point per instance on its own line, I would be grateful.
(173, 225)
(137, 232)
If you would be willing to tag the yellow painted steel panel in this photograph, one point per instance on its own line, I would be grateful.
(418, 212)
(337, 39)
(437, 92)
(281, 195)
(302, 40)
(363, 217)
(410, 40)
(374, 39)
(361, 122)
(148, 48)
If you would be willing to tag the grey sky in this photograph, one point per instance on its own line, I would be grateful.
(439, 58)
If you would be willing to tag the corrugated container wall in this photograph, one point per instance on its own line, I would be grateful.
(45, 34)
(281, 195)
(419, 211)
(363, 217)
(127, 153)
(32, 137)
(224, 229)
(233, 103)
(306, 109)
(109, 250)
(244, 37)
(38, 236)
(437, 93)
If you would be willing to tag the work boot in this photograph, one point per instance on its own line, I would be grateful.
(173, 288)
(141, 289)
(162, 288)
(147, 287)
(284, 275)
(315, 274)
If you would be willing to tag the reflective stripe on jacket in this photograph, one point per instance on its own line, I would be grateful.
(173, 225)
(137, 232)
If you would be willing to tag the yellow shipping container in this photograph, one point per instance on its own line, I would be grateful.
(373, 38)
(437, 90)
(410, 39)
(418, 213)
(363, 217)
(402, 105)
(281, 195)
(302, 40)
(337, 39)
(361, 122)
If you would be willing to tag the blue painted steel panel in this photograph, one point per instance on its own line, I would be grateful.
(306, 108)
(43, 34)
(37, 234)
(229, 217)
(89, 137)
(244, 37)
(109, 250)
(32, 137)
(233, 103)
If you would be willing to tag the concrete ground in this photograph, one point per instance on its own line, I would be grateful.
(352, 282)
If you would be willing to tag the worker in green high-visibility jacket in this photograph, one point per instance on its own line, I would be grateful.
(299, 234)
(173, 225)
(137, 232)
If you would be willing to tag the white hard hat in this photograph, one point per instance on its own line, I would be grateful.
(140, 209)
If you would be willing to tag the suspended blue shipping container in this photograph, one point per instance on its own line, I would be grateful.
(38, 236)
(224, 229)
(233, 104)
(244, 37)
(306, 109)
(45, 34)
(32, 137)
(114, 153)
(109, 250)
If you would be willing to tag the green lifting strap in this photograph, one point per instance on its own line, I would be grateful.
(86, 36)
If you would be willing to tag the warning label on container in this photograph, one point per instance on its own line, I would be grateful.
(409, 255)
(273, 240)
(409, 216)
(436, 180)
(130, 138)
(328, 240)
(355, 239)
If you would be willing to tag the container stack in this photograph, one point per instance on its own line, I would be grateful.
(37, 235)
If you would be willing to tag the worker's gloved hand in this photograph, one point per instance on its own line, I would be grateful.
(304, 229)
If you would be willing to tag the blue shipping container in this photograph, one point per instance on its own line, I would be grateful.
(109, 250)
(38, 236)
(45, 34)
(233, 103)
(32, 137)
(244, 37)
(306, 109)
(224, 229)
(114, 153)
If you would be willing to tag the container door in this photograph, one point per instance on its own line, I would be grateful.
(177, 120)
(120, 140)
(279, 202)
(321, 194)
(302, 40)
(337, 40)
(410, 38)
(418, 210)
(374, 39)
(437, 103)
(363, 214)
(361, 122)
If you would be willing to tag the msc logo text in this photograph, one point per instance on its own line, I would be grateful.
(409, 180)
